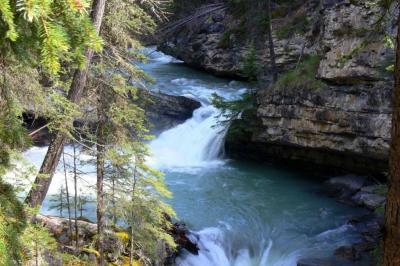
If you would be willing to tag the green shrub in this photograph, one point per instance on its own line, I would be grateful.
(250, 67)
(302, 77)
(231, 110)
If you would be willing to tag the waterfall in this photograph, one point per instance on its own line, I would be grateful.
(195, 143)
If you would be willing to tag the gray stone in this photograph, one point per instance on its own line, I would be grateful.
(346, 125)
(369, 200)
(349, 182)
(166, 111)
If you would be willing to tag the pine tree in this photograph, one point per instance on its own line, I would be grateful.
(49, 165)
(36, 241)
(59, 202)
(120, 122)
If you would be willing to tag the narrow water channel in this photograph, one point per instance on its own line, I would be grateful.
(240, 213)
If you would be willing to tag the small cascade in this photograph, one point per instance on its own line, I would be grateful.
(195, 143)
(215, 251)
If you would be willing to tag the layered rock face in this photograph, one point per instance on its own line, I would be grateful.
(344, 124)
(199, 45)
(343, 127)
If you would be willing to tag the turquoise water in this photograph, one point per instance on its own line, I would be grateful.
(239, 213)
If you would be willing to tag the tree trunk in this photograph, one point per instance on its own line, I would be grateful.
(391, 256)
(76, 200)
(113, 199)
(43, 180)
(272, 55)
(101, 120)
(132, 247)
(68, 202)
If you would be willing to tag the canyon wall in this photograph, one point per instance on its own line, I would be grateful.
(344, 123)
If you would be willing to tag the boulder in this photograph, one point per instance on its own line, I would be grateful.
(59, 228)
(166, 111)
(369, 200)
(180, 233)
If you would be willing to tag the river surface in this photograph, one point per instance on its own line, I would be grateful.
(240, 214)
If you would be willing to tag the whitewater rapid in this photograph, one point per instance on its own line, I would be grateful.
(240, 214)
(195, 147)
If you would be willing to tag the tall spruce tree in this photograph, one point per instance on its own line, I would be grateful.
(36, 38)
(53, 155)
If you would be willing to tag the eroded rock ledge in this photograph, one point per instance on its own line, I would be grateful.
(163, 111)
(345, 125)
(346, 128)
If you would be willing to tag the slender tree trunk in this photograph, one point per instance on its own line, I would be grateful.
(76, 200)
(68, 202)
(43, 180)
(61, 202)
(272, 55)
(132, 216)
(114, 211)
(391, 256)
(101, 120)
(131, 248)
(36, 253)
(81, 206)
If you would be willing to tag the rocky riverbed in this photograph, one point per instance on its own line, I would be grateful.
(116, 242)
(356, 191)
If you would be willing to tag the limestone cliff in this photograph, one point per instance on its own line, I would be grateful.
(346, 122)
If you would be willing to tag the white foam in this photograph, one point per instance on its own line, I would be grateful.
(34, 158)
(153, 55)
(196, 143)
